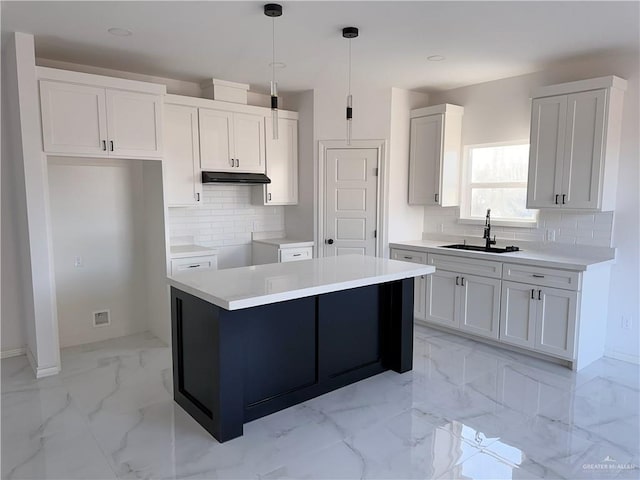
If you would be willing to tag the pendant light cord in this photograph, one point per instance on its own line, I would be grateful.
(349, 66)
(273, 46)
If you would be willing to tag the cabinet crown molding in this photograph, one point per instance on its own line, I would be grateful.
(610, 81)
(68, 76)
(447, 108)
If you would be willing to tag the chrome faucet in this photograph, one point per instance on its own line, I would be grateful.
(487, 231)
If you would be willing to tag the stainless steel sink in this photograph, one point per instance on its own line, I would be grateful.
(480, 248)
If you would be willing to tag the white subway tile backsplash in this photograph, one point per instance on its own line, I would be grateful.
(593, 229)
(225, 218)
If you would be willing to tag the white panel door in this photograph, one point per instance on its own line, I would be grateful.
(350, 198)
(249, 144)
(424, 160)
(583, 156)
(282, 163)
(518, 314)
(216, 140)
(134, 124)
(181, 155)
(546, 152)
(74, 119)
(556, 321)
(480, 305)
(442, 298)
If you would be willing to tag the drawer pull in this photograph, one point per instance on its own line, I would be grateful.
(194, 266)
(537, 276)
(408, 257)
(297, 254)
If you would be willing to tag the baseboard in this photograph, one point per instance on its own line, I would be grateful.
(41, 372)
(15, 352)
(625, 357)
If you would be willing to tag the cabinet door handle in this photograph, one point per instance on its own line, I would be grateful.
(111, 144)
(231, 162)
(537, 276)
(104, 145)
(197, 197)
(457, 281)
(237, 162)
(557, 198)
(462, 281)
(437, 197)
(539, 294)
(533, 291)
(269, 196)
(564, 195)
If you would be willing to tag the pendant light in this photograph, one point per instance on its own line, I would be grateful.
(349, 33)
(273, 10)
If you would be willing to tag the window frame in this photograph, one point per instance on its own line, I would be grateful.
(466, 186)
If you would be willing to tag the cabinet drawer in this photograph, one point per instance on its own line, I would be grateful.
(193, 263)
(295, 254)
(547, 277)
(409, 256)
(485, 268)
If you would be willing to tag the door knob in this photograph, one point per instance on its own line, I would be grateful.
(330, 241)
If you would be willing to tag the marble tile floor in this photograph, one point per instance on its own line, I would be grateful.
(466, 411)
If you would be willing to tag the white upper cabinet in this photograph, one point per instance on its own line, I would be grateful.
(74, 118)
(133, 123)
(98, 116)
(434, 155)
(575, 137)
(216, 140)
(183, 186)
(231, 141)
(282, 165)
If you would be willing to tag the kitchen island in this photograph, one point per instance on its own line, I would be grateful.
(250, 341)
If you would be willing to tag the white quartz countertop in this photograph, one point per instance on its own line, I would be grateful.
(186, 251)
(285, 242)
(244, 287)
(529, 256)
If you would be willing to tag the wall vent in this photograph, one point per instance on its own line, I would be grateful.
(101, 318)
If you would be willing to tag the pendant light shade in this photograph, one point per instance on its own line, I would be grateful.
(273, 10)
(349, 33)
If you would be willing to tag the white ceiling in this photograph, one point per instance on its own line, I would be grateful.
(194, 41)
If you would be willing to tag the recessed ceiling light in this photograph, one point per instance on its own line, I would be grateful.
(435, 58)
(120, 32)
(277, 65)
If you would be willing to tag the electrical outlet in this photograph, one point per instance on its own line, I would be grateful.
(77, 262)
(627, 323)
(550, 235)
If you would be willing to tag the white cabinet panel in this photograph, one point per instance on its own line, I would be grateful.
(74, 118)
(518, 314)
(434, 155)
(442, 298)
(182, 156)
(216, 140)
(248, 142)
(480, 305)
(295, 254)
(194, 263)
(134, 124)
(556, 320)
(282, 163)
(420, 283)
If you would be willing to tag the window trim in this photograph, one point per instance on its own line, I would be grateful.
(465, 189)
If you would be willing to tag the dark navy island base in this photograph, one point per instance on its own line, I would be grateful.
(231, 367)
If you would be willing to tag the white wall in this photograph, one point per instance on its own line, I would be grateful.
(405, 221)
(298, 218)
(15, 254)
(225, 220)
(97, 214)
(500, 111)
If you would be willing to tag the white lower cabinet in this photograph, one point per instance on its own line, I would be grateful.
(479, 297)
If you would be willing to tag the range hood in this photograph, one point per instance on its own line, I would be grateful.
(233, 177)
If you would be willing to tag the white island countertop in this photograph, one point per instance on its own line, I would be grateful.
(244, 287)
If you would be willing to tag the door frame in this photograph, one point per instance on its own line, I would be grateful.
(381, 197)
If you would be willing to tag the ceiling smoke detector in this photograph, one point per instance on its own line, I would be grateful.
(120, 32)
